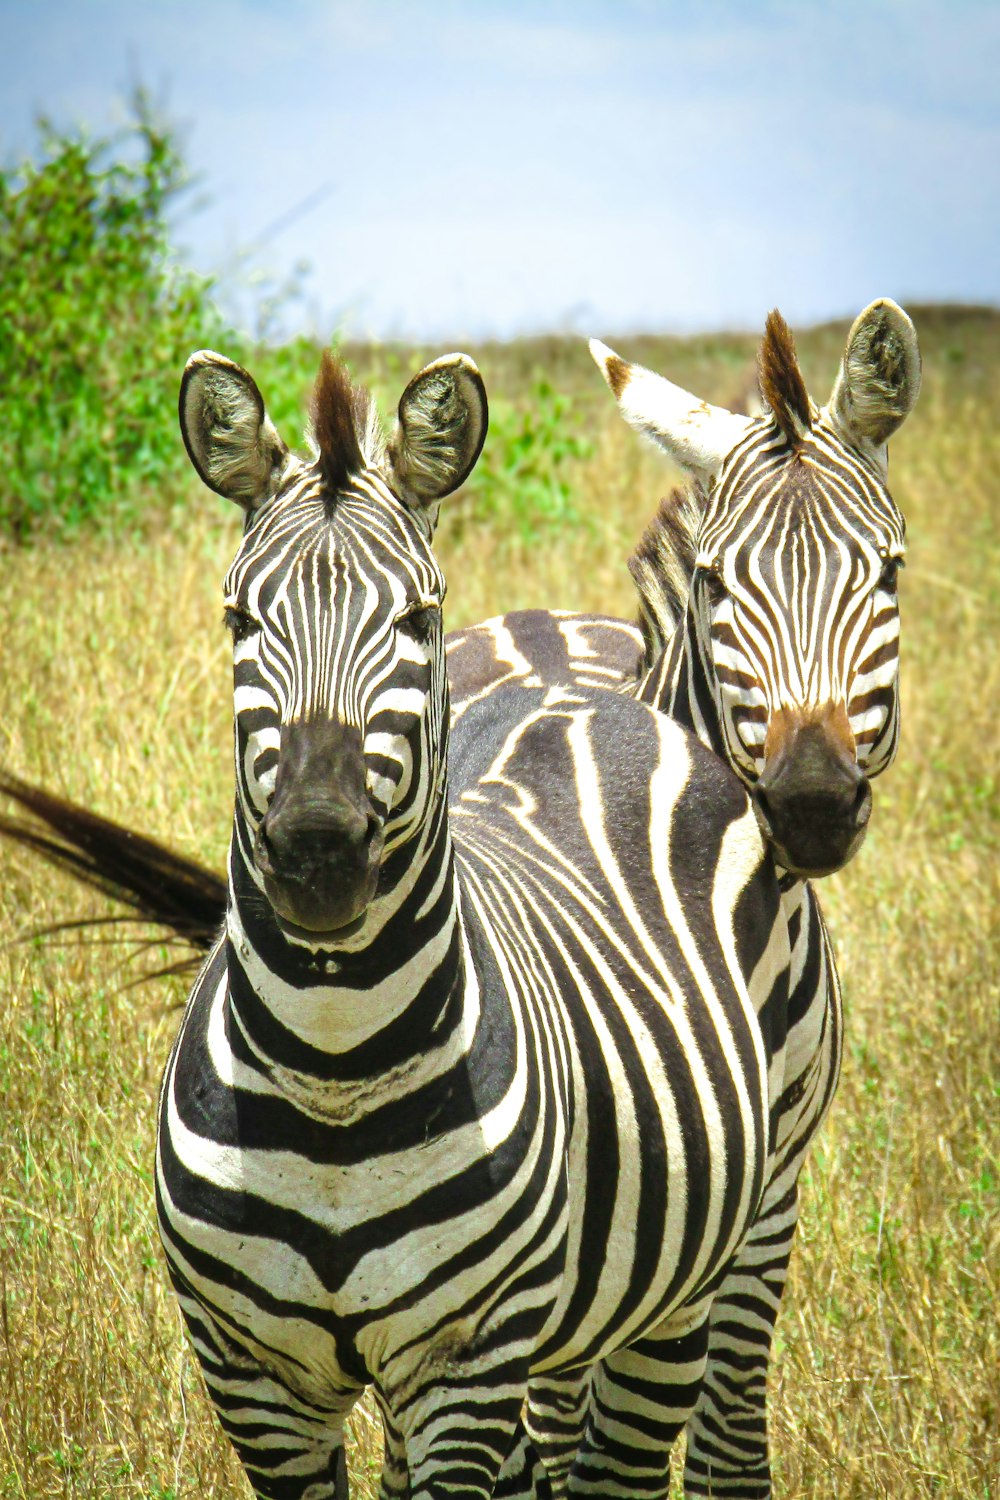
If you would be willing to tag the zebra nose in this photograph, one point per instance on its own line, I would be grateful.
(301, 838)
(319, 845)
(812, 802)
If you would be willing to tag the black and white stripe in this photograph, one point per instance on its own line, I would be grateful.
(767, 591)
(513, 1121)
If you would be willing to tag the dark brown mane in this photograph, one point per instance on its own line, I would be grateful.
(339, 410)
(662, 564)
(781, 383)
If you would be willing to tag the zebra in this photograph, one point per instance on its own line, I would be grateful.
(726, 1434)
(770, 629)
(474, 1093)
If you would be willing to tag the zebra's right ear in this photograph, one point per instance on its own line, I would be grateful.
(229, 437)
(441, 427)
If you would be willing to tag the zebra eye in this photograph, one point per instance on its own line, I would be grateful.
(713, 583)
(420, 622)
(889, 576)
(239, 624)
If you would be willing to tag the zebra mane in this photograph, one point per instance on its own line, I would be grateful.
(781, 384)
(345, 425)
(662, 565)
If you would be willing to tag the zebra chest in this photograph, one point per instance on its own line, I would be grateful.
(353, 1238)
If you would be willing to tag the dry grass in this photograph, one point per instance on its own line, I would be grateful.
(115, 690)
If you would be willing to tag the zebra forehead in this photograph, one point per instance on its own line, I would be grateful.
(324, 566)
(820, 485)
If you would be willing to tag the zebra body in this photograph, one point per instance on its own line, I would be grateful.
(726, 1428)
(503, 1108)
(770, 629)
(540, 647)
(554, 1132)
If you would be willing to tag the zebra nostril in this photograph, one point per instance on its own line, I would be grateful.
(762, 802)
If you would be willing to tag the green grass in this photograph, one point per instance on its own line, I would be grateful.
(116, 690)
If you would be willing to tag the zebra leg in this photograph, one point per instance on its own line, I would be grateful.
(547, 1439)
(290, 1448)
(640, 1399)
(395, 1480)
(727, 1449)
(458, 1433)
(523, 1476)
(556, 1418)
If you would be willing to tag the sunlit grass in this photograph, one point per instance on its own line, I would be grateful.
(116, 690)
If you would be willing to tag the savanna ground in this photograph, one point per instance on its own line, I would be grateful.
(114, 689)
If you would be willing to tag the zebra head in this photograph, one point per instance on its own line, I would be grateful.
(334, 605)
(792, 615)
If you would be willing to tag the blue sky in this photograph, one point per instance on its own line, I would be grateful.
(476, 169)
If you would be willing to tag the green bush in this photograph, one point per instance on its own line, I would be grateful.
(97, 320)
(522, 479)
(95, 325)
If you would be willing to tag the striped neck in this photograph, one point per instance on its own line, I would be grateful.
(679, 684)
(371, 1003)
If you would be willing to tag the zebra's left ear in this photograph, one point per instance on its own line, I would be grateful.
(441, 427)
(696, 435)
(879, 379)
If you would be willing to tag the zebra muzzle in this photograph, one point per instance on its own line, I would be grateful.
(812, 800)
(319, 846)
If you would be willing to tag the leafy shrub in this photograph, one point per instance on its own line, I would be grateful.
(97, 320)
(522, 479)
(95, 325)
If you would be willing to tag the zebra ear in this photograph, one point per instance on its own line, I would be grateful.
(696, 435)
(228, 435)
(442, 421)
(879, 379)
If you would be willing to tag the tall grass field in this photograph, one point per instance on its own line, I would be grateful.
(115, 690)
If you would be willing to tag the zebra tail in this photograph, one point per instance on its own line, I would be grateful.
(153, 882)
